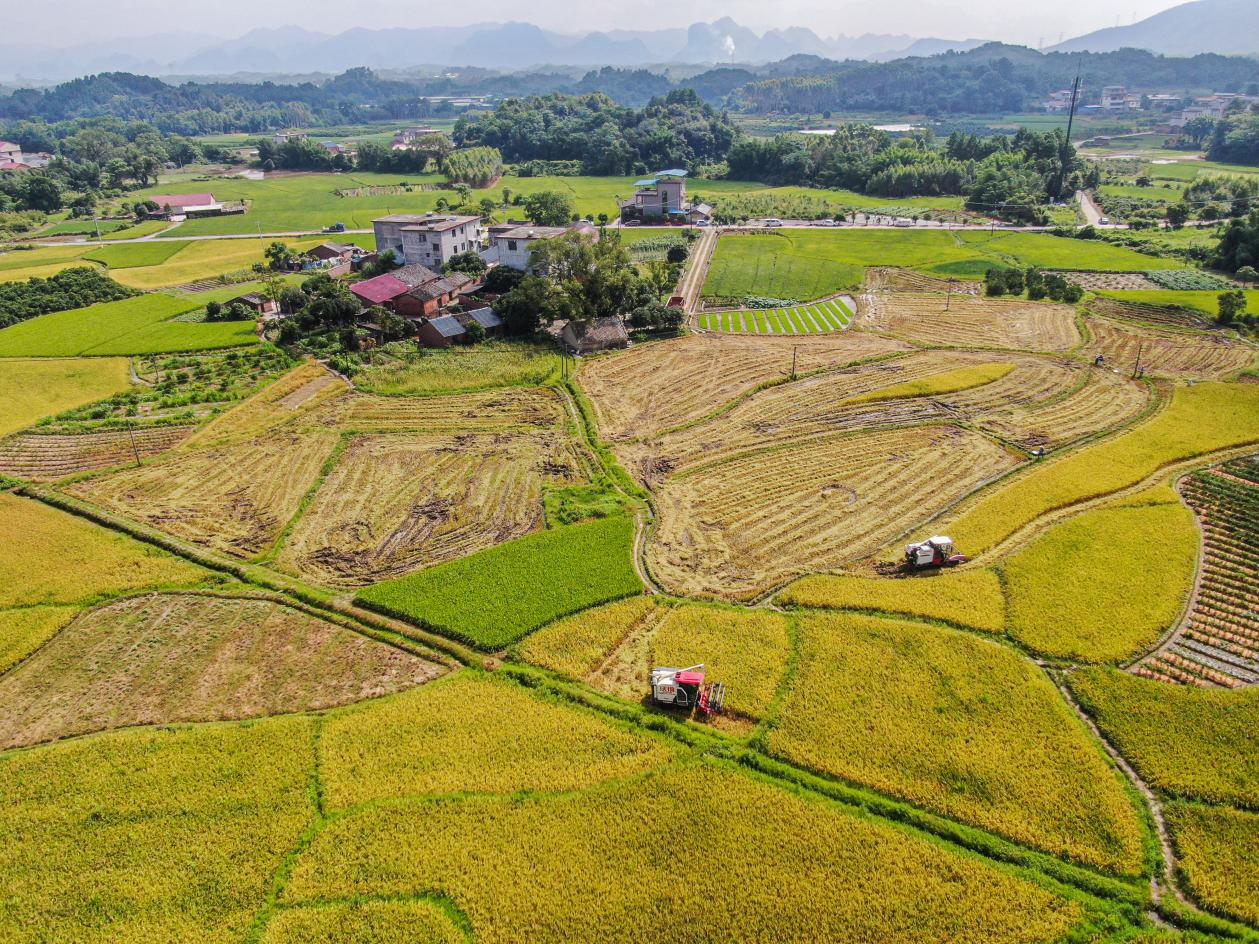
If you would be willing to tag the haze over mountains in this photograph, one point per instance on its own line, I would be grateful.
(1225, 26)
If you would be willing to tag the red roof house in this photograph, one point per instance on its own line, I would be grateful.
(381, 290)
(14, 165)
(177, 201)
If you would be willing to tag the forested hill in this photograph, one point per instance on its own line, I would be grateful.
(989, 80)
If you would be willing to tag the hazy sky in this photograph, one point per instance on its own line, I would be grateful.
(1023, 21)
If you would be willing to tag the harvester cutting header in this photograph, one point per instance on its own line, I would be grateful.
(686, 688)
(933, 552)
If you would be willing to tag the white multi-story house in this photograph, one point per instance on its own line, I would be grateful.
(512, 243)
(429, 239)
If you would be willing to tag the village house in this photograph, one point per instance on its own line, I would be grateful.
(512, 243)
(336, 259)
(258, 304)
(406, 138)
(283, 137)
(662, 199)
(598, 334)
(10, 152)
(428, 239)
(446, 330)
(413, 291)
(184, 205)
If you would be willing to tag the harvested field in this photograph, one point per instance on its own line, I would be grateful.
(374, 517)
(648, 389)
(233, 498)
(1218, 644)
(961, 725)
(598, 854)
(508, 408)
(972, 321)
(1177, 355)
(887, 279)
(827, 403)
(735, 527)
(1099, 400)
(48, 457)
(294, 401)
(471, 733)
(1121, 309)
(1108, 281)
(164, 658)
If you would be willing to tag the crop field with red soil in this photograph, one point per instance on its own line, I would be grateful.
(1218, 643)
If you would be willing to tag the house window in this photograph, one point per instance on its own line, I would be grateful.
(511, 245)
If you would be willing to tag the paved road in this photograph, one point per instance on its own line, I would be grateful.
(691, 284)
(1088, 206)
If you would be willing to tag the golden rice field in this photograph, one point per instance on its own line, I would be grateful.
(615, 647)
(295, 402)
(413, 922)
(971, 321)
(25, 630)
(1184, 741)
(738, 526)
(151, 835)
(158, 659)
(648, 389)
(1103, 586)
(1200, 419)
(960, 725)
(474, 734)
(374, 517)
(31, 389)
(46, 457)
(233, 498)
(1179, 355)
(633, 859)
(200, 259)
(950, 381)
(967, 597)
(64, 560)
(1218, 850)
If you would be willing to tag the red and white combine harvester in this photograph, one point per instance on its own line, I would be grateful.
(686, 688)
(933, 552)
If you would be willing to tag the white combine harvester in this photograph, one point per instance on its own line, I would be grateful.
(685, 688)
(933, 552)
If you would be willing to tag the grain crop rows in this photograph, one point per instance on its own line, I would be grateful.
(833, 314)
(1219, 643)
(43, 457)
(972, 321)
(374, 518)
(736, 527)
(648, 389)
(1178, 355)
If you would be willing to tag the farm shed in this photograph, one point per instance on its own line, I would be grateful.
(256, 303)
(451, 329)
(382, 290)
(590, 337)
(429, 297)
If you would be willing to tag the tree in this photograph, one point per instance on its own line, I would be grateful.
(549, 208)
(1232, 306)
(656, 317)
(1239, 246)
(502, 279)
(464, 191)
(392, 325)
(521, 309)
(41, 192)
(592, 279)
(487, 207)
(1248, 274)
(660, 276)
(278, 255)
(1177, 215)
(469, 263)
(677, 253)
(475, 332)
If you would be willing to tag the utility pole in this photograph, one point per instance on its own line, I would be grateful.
(1136, 368)
(134, 449)
(1066, 144)
(794, 351)
(948, 300)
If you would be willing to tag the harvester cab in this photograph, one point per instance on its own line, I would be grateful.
(933, 552)
(686, 688)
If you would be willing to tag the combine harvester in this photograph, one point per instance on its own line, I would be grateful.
(685, 688)
(933, 552)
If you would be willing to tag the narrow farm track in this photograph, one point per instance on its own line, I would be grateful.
(1167, 880)
(691, 287)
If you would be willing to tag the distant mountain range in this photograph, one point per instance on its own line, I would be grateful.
(1229, 27)
(1222, 26)
(505, 46)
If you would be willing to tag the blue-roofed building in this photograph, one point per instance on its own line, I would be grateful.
(445, 330)
(662, 199)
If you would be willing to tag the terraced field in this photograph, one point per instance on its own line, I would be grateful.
(1218, 644)
(830, 315)
(374, 518)
(971, 321)
(646, 390)
(737, 526)
(46, 457)
(1176, 355)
